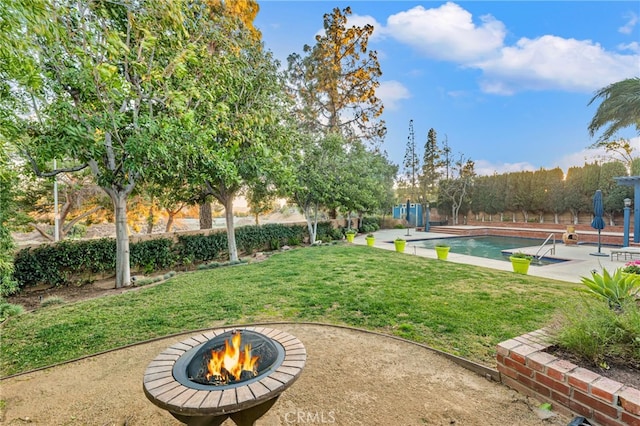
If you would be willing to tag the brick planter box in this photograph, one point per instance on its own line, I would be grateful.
(572, 390)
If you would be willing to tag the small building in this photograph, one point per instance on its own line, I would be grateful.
(415, 213)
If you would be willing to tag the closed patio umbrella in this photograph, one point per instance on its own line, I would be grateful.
(408, 216)
(598, 221)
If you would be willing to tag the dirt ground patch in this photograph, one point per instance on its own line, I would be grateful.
(383, 382)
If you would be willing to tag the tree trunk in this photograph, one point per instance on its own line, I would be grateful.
(123, 270)
(315, 224)
(556, 218)
(169, 222)
(171, 214)
(231, 235)
(150, 220)
(206, 221)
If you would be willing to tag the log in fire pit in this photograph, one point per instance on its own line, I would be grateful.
(237, 373)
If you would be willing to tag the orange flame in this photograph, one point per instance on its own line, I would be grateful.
(230, 362)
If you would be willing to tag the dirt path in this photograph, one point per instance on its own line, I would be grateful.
(351, 378)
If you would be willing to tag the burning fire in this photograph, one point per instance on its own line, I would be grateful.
(229, 363)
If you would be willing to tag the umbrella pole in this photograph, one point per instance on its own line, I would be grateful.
(598, 241)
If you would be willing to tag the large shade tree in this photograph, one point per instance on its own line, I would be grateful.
(238, 136)
(315, 177)
(101, 84)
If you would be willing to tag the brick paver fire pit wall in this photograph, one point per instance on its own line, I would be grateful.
(572, 390)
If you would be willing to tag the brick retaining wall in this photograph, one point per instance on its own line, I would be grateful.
(572, 390)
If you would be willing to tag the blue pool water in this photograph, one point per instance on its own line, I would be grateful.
(489, 247)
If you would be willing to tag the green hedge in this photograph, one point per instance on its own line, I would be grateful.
(75, 262)
(369, 224)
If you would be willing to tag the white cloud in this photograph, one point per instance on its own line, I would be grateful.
(447, 32)
(551, 62)
(634, 46)
(362, 20)
(392, 92)
(590, 155)
(547, 62)
(486, 168)
(580, 158)
(632, 20)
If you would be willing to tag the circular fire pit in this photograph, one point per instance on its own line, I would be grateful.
(179, 379)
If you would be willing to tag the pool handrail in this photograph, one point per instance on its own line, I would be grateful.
(552, 250)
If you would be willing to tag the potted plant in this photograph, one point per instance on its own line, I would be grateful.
(442, 251)
(400, 244)
(520, 262)
(370, 240)
(350, 234)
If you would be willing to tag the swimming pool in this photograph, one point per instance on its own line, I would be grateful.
(487, 246)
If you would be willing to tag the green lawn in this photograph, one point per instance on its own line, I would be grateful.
(461, 309)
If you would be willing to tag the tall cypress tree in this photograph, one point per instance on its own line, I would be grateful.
(411, 165)
(431, 167)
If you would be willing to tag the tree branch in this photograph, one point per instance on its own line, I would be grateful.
(52, 173)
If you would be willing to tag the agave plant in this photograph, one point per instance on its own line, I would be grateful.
(614, 288)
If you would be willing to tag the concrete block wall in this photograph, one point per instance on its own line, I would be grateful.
(572, 390)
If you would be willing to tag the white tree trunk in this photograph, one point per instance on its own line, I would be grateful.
(312, 222)
(123, 269)
(231, 235)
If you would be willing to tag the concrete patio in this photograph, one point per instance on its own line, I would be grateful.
(579, 259)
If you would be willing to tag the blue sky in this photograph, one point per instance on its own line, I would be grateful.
(507, 83)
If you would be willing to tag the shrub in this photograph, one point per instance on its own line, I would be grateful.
(255, 238)
(369, 224)
(52, 300)
(614, 288)
(201, 248)
(600, 335)
(520, 255)
(337, 233)
(9, 310)
(77, 231)
(70, 262)
(8, 285)
(274, 244)
(294, 241)
(152, 255)
(324, 232)
(632, 267)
